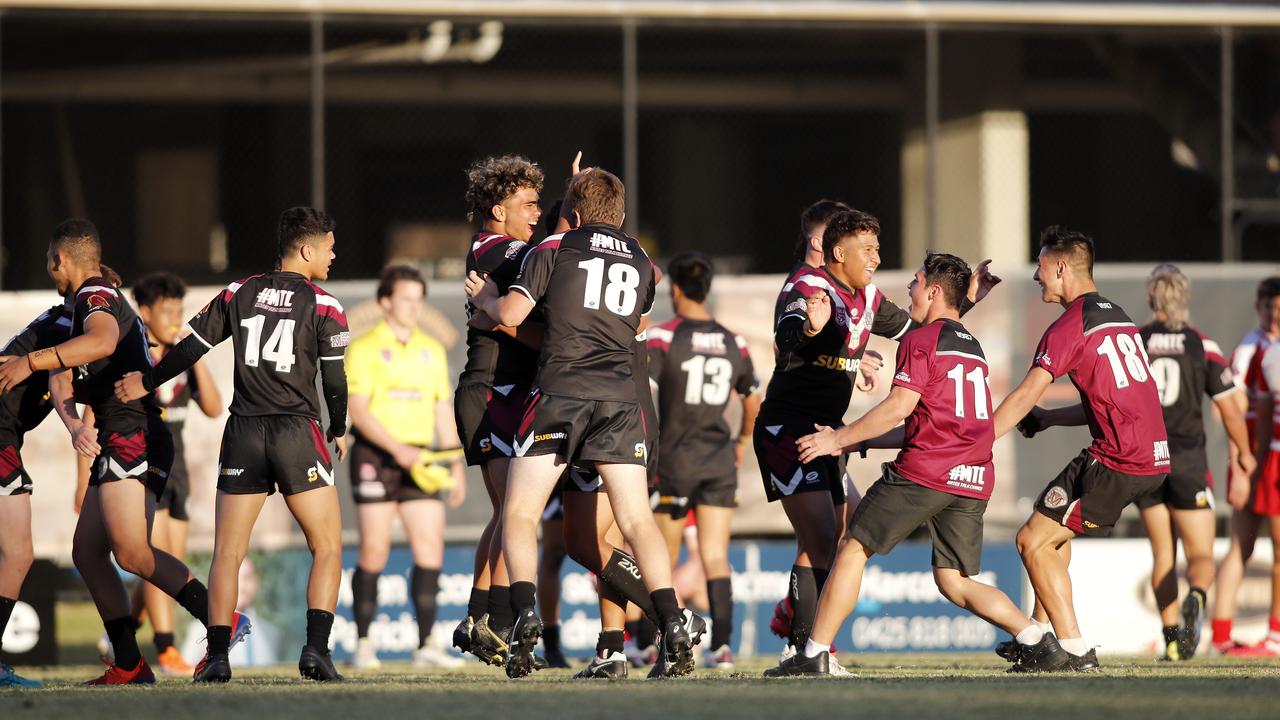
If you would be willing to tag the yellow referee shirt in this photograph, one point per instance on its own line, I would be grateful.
(403, 381)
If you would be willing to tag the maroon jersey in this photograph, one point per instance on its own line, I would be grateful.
(95, 382)
(1097, 344)
(593, 283)
(949, 434)
(495, 358)
(813, 377)
(282, 326)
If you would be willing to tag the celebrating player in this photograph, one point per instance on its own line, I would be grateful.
(1260, 498)
(399, 397)
(1098, 346)
(943, 477)
(133, 458)
(502, 195)
(596, 285)
(696, 362)
(159, 300)
(1186, 365)
(284, 326)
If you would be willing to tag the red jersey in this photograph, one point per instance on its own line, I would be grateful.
(949, 434)
(1097, 344)
(1246, 368)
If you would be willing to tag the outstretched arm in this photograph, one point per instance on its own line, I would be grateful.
(135, 385)
(1021, 400)
(879, 420)
(101, 333)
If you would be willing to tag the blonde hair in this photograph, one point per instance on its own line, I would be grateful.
(1169, 295)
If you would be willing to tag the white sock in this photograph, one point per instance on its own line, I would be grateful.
(1047, 627)
(1030, 635)
(813, 649)
(1075, 646)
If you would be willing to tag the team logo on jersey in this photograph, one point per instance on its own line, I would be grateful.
(1166, 344)
(1161, 452)
(513, 249)
(1055, 498)
(795, 305)
(610, 245)
(274, 300)
(903, 376)
(340, 340)
(843, 364)
(853, 314)
(842, 319)
(1043, 359)
(97, 302)
(1105, 305)
(971, 477)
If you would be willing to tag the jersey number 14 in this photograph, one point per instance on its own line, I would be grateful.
(278, 348)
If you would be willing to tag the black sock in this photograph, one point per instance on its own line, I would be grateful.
(478, 604)
(121, 631)
(720, 594)
(425, 583)
(551, 638)
(1171, 633)
(500, 615)
(1204, 597)
(194, 598)
(648, 635)
(668, 607)
(803, 592)
(319, 623)
(218, 638)
(364, 599)
(163, 641)
(6, 609)
(522, 597)
(610, 642)
(622, 573)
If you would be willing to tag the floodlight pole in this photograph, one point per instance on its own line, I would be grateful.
(1226, 120)
(631, 125)
(317, 111)
(931, 90)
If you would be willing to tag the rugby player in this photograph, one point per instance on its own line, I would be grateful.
(1258, 499)
(284, 329)
(943, 477)
(21, 410)
(401, 404)
(133, 457)
(158, 297)
(1098, 346)
(696, 362)
(502, 196)
(596, 286)
(1186, 365)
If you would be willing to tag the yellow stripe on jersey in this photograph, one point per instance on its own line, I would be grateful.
(403, 381)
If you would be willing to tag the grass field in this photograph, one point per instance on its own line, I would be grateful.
(924, 686)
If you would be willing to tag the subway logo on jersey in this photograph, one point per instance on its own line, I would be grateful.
(833, 362)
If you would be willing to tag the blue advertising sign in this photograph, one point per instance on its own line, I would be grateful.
(900, 609)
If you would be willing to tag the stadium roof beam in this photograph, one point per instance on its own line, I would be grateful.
(1059, 12)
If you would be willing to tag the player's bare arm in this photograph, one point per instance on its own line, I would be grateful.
(1022, 400)
(510, 309)
(98, 341)
(447, 437)
(1243, 461)
(750, 410)
(84, 436)
(208, 397)
(882, 418)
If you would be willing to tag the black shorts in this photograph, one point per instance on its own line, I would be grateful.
(14, 479)
(894, 507)
(177, 492)
(487, 419)
(1088, 497)
(262, 453)
(585, 431)
(143, 452)
(1188, 486)
(676, 497)
(780, 467)
(376, 478)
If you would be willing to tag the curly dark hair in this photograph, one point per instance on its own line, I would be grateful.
(494, 179)
(847, 223)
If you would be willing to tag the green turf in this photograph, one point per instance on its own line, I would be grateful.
(923, 686)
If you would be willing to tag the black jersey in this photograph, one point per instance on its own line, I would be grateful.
(594, 283)
(283, 325)
(695, 364)
(95, 383)
(495, 358)
(1187, 366)
(27, 405)
(174, 397)
(813, 377)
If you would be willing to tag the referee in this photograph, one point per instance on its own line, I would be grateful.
(400, 401)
